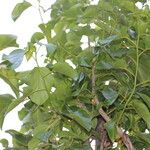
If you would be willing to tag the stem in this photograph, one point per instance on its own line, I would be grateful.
(135, 81)
(40, 13)
(36, 58)
(142, 83)
(143, 52)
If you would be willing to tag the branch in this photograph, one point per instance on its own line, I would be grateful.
(125, 138)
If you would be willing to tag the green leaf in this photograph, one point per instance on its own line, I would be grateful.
(5, 100)
(9, 76)
(82, 118)
(50, 48)
(40, 82)
(36, 37)
(132, 33)
(65, 69)
(62, 93)
(20, 138)
(33, 143)
(39, 129)
(22, 113)
(4, 143)
(142, 111)
(7, 40)
(107, 40)
(146, 99)
(16, 102)
(110, 95)
(15, 58)
(144, 68)
(103, 65)
(19, 9)
(111, 130)
(30, 49)
(144, 136)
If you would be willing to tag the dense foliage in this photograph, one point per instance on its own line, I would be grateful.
(89, 89)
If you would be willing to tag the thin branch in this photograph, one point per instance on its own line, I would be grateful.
(39, 9)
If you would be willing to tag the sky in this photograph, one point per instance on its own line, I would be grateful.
(23, 28)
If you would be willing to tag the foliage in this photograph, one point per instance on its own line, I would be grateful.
(60, 111)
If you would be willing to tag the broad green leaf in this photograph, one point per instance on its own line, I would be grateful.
(15, 58)
(33, 143)
(37, 117)
(144, 68)
(50, 48)
(110, 95)
(20, 138)
(7, 40)
(111, 130)
(5, 100)
(39, 129)
(103, 65)
(24, 76)
(120, 64)
(16, 102)
(144, 136)
(108, 40)
(41, 80)
(146, 41)
(132, 33)
(30, 49)
(117, 53)
(82, 118)
(73, 12)
(61, 94)
(46, 29)
(4, 143)
(12, 105)
(22, 113)
(90, 11)
(59, 26)
(65, 69)
(19, 9)
(146, 99)
(36, 37)
(142, 111)
(10, 77)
